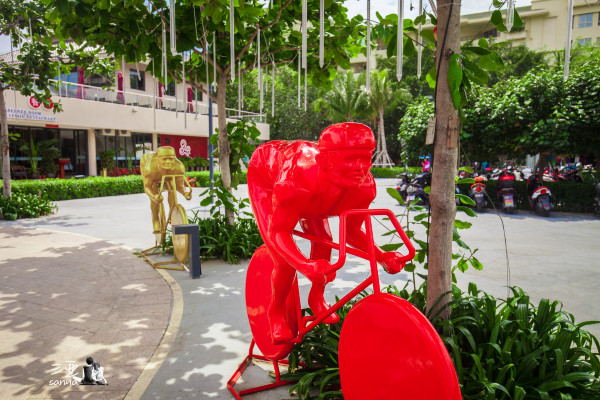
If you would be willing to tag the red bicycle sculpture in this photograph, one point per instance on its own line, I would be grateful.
(387, 349)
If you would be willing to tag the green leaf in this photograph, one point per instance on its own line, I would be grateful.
(477, 50)
(394, 193)
(466, 210)
(462, 224)
(391, 246)
(465, 199)
(466, 169)
(455, 75)
(430, 77)
(498, 21)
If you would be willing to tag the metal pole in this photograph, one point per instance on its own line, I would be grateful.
(210, 132)
(568, 47)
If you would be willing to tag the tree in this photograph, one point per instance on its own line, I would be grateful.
(134, 30)
(453, 77)
(380, 96)
(346, 101)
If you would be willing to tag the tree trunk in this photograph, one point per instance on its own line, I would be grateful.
(442, 203)
(224, 149)
(381, 130)
(4, 147)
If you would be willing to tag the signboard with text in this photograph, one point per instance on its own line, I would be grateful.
(33, 115)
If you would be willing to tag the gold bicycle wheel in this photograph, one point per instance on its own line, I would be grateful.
(180, 242)
(160, 236)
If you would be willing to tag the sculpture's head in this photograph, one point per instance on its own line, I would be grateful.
(166, 157)
(345, 152)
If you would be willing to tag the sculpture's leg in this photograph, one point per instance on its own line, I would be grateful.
(316, 301)
(155, 207)
(171, 199)
(281, 283)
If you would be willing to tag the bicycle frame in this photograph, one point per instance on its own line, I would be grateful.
(307, 323)
(373, 279)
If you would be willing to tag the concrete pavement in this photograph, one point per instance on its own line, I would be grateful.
(555, 258)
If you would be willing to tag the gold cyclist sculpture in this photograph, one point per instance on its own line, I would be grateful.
(161, 170)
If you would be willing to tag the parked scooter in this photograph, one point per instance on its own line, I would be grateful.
(540, 197)
(507, 194)
(410, 189)
(478, 193)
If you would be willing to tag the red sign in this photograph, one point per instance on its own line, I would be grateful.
(186, 146)
(36, 104)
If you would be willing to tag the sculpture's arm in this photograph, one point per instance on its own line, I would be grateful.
(149, 189)
(179, 184)
(282, 223)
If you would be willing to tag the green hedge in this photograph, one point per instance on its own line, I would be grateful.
(67, 189)
(567, 196)
(393, 172)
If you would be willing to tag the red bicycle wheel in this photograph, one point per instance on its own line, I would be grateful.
(390, 350)
(258, 298)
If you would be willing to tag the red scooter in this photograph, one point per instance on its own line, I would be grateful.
(507, 193)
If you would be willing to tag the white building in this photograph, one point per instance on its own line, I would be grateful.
(94, 119)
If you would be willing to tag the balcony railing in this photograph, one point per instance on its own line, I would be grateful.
(94, 93)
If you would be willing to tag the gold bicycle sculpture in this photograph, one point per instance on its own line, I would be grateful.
(177, 216)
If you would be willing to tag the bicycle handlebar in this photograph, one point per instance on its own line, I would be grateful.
(162, 181)
(342, 246)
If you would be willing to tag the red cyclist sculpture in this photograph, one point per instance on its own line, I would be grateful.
(306, 183)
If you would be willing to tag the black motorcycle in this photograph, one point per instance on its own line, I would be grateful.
(411, 189)
(540, 197)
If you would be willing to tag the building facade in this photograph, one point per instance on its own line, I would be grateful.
(135, 116)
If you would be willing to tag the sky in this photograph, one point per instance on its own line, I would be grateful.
(384, 7)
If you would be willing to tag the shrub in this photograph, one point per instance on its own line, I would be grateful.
(392, 172)
(501, 349)
(25, 205)
(67, 189)
(218, 239)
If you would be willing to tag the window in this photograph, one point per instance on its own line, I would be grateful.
(97, 80)
(170, 89)
(197, 94)
(585, 42)
(585, 20)
(137, 81)
(491, 33)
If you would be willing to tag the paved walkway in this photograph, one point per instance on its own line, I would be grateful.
(65, 297)
(82, 284)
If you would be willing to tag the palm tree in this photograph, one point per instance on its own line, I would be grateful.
(380, 96)
(346, 102)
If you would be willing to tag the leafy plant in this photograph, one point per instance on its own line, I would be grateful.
(35, 151)
(25, 205)
(48, 164)
(107, 160)
(219, 239)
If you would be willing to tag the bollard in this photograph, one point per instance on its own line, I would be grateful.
(193, 232)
